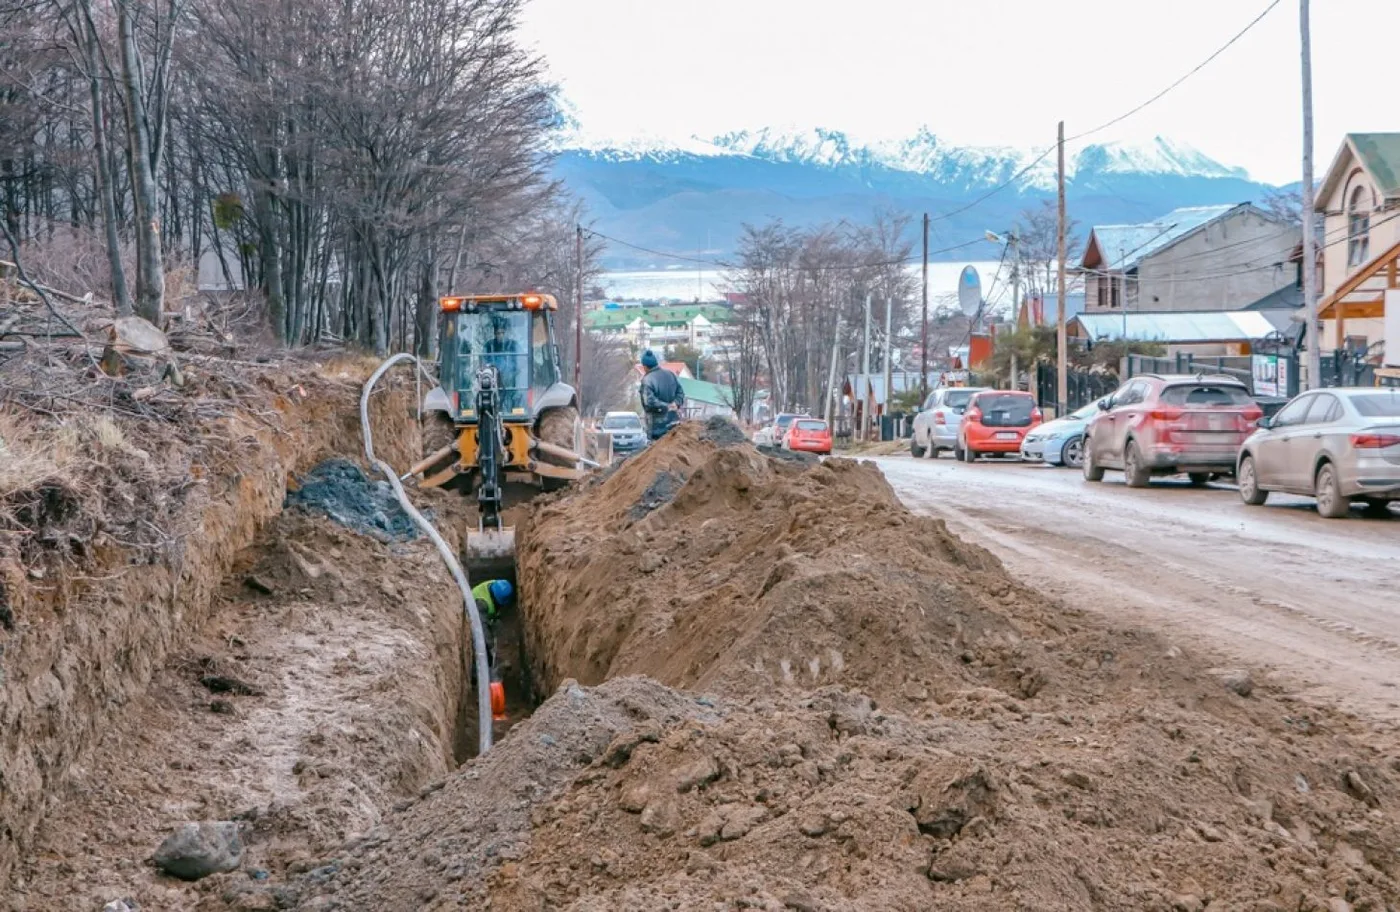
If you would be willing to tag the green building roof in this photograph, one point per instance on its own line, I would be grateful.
(668, 315)
(1380, 153)
(709, 393)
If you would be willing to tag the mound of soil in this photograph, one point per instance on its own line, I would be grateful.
(716, 567)
(339, 489)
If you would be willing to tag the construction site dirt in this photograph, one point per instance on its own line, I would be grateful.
(769, 686)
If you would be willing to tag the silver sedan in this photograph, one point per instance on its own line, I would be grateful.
(1338, 445)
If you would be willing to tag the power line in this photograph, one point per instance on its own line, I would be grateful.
(1105, 125)
(1200, 66)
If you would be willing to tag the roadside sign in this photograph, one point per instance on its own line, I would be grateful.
(1270, 375)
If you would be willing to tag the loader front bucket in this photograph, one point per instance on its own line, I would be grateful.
(490, 553)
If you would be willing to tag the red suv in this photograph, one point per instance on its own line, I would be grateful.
(1170, 425)
(996, 421)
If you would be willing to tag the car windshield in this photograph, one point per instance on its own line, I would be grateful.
(1005, 409)
(1377, 405)
(958, 399)
(622, 423)
(811, 425)
(1205, 395)
(784, 421)
(1085, 413)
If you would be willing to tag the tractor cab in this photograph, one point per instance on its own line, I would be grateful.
(512, 334)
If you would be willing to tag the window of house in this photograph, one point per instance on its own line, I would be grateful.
(1359, 227)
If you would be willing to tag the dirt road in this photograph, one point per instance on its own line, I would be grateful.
(1276, 588)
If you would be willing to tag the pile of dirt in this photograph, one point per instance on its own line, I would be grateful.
(339, 489)
(899, 724)
(717, 567)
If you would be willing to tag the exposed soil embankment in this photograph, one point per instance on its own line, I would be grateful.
(898, 725)
(323, 689)
(118, 523)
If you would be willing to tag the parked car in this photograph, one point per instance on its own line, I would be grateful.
(1170, 424)
(996, 421)
(1060, 442)
(809, 435)
(772, 435)
(936, 424)
(628, 433)
(1337, 445)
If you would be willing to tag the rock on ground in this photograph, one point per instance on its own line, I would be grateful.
(196, 850)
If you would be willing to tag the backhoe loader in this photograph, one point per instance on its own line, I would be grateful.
(500, 415)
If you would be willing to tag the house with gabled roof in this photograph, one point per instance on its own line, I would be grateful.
(1198, 258)
(1359, 201)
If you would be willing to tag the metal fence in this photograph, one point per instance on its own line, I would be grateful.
(1083, 387)
(1241, 367)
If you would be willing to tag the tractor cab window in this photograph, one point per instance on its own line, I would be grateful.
(545, 370)
(498, 339)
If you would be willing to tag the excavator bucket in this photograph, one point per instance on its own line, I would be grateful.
(490, 553)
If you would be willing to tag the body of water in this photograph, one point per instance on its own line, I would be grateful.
(680, 285)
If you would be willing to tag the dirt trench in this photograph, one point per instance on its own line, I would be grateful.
(124, 587)
(772, 687)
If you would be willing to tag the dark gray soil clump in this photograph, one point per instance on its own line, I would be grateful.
(659, 493)
(723, 432)
(341, 491)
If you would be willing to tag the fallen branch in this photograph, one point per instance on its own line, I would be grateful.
(36, 286)
(40, 290)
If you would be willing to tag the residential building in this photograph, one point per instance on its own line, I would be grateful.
(705, 400)
(1359, 201)
(1044, 309)
(1193, 259)
(658, 326)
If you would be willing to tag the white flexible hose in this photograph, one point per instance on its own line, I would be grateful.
(483, 674)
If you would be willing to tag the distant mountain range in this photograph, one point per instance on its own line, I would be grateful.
(694, 197)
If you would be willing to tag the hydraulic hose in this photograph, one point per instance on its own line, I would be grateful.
(483, 673)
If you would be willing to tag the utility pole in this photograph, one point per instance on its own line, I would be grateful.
(831, 374)
(1061, 339)
(889, 346)
(1314, 338)
(578, 310)
(863, 392)
(923, 328)
(1015, 302)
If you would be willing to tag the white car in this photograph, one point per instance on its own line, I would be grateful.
(772, 435)
(936, 425)
(627, 431)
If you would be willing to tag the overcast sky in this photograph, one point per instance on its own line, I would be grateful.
(977, 72)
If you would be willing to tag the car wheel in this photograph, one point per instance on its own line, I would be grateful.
(969, 454)
(1134, 471)
(1330, 502)
(1250, 492)
(1199, 479)
(914, 449)
(1072, 453)
(1092, 472)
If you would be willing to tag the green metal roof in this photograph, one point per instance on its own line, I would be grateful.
(711, 393)
(1380, 155)
(672, 315)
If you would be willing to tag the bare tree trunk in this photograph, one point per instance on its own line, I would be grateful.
(85, 31)
(150, 270)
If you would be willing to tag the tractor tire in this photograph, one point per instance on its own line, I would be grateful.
(562, 428)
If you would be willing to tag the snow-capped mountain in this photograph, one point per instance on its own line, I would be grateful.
(661, 193)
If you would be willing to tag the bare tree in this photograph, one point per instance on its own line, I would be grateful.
(1037, 246)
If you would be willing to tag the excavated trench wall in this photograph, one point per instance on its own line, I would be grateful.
(85, 641)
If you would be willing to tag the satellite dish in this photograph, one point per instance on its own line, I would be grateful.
(970, 291)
